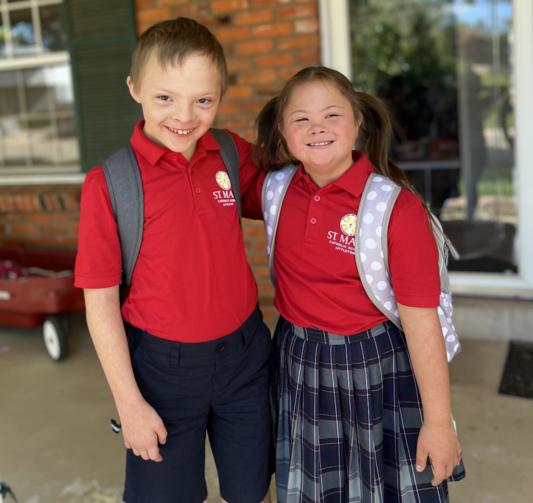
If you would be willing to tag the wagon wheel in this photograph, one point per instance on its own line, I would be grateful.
(55, 338)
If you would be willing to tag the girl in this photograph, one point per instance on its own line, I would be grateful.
(351, 386)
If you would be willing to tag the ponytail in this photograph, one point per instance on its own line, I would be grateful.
(270, 151)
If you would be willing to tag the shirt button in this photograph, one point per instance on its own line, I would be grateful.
(221, 348)
(174, 157)
(317, 198)
(313, 221)
(198, 190)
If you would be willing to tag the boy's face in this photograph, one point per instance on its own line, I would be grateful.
(179, 102)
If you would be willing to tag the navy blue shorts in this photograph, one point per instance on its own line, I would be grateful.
(221, 387)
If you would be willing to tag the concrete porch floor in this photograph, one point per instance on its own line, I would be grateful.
(56, 444)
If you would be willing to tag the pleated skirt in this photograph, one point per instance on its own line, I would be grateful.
(348, 418)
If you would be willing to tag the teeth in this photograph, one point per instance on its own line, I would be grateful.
(320, 144)
(180, 131)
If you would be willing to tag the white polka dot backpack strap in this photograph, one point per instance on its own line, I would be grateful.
(275, 187)
(371, 257)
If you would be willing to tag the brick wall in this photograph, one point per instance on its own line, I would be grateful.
(265, 42)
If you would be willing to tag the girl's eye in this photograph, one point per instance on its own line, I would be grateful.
(204, 101)
(332, 115)
(300, 120)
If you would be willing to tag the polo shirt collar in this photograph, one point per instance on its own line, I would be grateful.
(354, 179)
(153, 152)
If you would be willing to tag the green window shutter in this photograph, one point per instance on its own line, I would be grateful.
(101, 37)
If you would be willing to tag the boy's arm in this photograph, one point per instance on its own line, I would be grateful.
(142, 427)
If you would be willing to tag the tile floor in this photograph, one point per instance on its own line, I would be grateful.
(56, 445)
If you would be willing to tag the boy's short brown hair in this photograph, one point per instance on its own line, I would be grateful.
(174, 40)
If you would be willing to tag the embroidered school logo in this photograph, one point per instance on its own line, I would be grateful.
(348, 224)
(223, 180)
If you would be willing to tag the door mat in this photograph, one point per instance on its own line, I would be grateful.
(517, 377)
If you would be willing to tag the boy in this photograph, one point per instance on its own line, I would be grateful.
(200, 353)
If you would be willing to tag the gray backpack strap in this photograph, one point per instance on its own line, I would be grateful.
(371, 248)
(125, 188)
(275, 187)
(230, 157)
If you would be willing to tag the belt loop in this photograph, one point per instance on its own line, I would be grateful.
(175, 354)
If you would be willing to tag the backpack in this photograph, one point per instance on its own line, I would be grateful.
(127, 198)
(369, 231)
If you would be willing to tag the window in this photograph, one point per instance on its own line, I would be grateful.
(37, 118)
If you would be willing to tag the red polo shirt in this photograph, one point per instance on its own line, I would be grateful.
(191, 282)
(317, 283)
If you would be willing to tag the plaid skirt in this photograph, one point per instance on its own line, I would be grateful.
(348, 418)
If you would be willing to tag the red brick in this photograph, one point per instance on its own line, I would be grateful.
(141, 28)
(298, 11)
(260, 245)
(273, 30)
(260, 16)
(235, 64)
(153, 15)
(54, 229)
(75, 229)
(141, 4)
(250, 135)
(298, 42)
(232, 122)
(231, 34)
(309, 56)
(195, 11)
(212, 21)
(249, 232)
(53, 242)
(228, 5)
(269, 90)
(24, 229)
(38, 217)
(65, 217)
(13, 241)
(171, 2)
(11, 217)
(266, 300)
(270, 314)
(261, 272)
(239, 92)
(306, 25)
(254, 106)
(265, 3)
(258, 77)
(265, 287)
(287, 73)
(255, 47)
(228, 108)
(253, 223)
(274, 60)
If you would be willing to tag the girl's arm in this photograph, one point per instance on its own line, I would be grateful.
(437, 438)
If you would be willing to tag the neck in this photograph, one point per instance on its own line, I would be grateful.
(324, 175)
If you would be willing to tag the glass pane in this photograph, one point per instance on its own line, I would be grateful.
(9, 99)
(53, 35)
(443, 69)
(14, 142)
(43, 146)
(2, 38)
(22, 33)
(68, 141)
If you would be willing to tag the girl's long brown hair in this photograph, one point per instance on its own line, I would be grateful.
(271, 152)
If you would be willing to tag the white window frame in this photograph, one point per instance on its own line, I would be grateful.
(24, 175)
(336, 53)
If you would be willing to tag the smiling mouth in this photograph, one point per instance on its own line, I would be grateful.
(320, 144)
(182, 132)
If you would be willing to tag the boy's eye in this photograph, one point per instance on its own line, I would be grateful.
(204, 101)
(164, 98)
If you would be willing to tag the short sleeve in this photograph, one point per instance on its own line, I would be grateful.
(99, 262)
(413, 254)
(251, 180)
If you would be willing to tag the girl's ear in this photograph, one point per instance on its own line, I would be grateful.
(280, 129)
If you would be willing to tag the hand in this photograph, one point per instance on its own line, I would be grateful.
(440, 443)
(143, 430)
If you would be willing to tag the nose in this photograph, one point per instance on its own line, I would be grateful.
(183, 113)
(317, 128)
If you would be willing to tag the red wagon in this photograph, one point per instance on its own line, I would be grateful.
(43, 296)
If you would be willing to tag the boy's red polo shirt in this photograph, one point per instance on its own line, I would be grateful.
(191, 282)
(317, 283)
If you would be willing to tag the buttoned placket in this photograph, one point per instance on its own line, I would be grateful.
(198, 191)
(314, 211)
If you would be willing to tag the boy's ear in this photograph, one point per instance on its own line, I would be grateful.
(131, 87)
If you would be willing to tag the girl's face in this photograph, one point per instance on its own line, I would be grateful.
(320, 129)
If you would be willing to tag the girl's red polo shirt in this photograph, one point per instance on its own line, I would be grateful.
(191, 282)
(317, 283)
